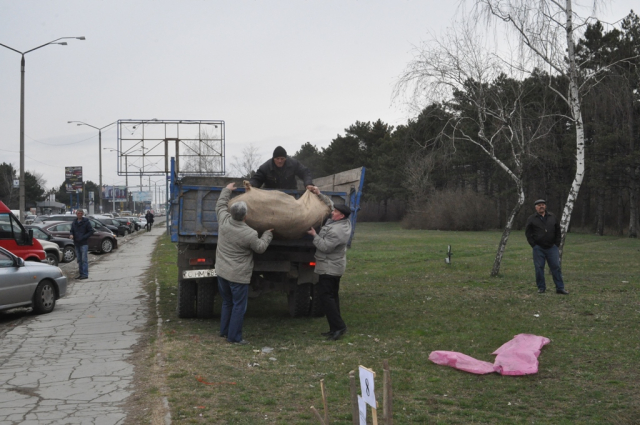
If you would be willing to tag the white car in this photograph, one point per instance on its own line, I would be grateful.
(53, 251)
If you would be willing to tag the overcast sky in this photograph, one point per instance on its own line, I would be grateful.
(277, 72)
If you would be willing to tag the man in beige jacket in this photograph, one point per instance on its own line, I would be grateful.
(331, 262)
(234, 262)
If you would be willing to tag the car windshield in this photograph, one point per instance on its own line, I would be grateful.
(39, 234)
(5, 260)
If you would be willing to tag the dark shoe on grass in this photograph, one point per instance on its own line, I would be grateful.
(541, 291)
(562, 291)
(326, 333)
(337, 334)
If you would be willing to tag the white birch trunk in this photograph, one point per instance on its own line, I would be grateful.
(574, 103)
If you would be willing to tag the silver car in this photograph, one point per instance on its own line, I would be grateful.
(29, 284)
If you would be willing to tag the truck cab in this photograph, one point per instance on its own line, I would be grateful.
(15, 238)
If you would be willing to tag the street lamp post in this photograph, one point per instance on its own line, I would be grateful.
(99, 154)
(64, 43)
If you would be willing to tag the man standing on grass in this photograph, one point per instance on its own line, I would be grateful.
(543, 234)
(81, 230)
(331, 262)
(234, 262)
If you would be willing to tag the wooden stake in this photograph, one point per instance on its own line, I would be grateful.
(387, 394)
(314, 410)
(324, 401)
(355, 410)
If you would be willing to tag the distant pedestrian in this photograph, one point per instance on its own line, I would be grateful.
(543, 234)
(149, 217)
(81, 230)
(331, 262)
(234, 262)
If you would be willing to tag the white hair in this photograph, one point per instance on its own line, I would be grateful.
(238, 210)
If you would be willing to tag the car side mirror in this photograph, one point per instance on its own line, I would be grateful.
(20, 262)
(30, 241)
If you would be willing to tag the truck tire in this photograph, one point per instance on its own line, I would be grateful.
(300, 300)
(186, 299)
(317, 310)
(205, 298)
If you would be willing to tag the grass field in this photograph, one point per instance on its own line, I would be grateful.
(401, 301)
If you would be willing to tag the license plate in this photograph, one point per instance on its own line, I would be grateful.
(195, 274)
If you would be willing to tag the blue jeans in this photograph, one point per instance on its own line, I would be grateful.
(552, 256)
(82, 255)
(234, 305)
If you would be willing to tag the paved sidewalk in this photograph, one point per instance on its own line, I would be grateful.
(71, 366)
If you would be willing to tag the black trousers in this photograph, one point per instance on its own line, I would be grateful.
(329, 287)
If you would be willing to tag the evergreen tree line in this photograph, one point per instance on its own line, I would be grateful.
(426, 173)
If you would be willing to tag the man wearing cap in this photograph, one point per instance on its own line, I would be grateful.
(543, 234)
(331, 261)
(280, 173)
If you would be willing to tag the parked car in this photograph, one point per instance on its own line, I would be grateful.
(101, 241)
(127, 222)
(27, 283)
(136, 223)
(95, 223)
(29, 218)
(15, 238)
(113, 223)
(65, 244)
(53, 252)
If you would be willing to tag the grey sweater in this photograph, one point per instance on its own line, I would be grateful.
(331, 247)
(236, 244)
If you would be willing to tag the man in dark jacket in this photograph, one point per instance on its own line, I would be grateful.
(543, 234)
(280, 173)
(81, 230)
(331, 262)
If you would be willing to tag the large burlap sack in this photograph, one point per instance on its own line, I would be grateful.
(289, 218)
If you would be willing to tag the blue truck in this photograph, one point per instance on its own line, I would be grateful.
(286, 266)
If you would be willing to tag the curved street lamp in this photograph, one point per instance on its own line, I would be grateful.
(99, 153)
(64, 43)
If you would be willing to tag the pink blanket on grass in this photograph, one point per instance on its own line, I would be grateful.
(516, 357)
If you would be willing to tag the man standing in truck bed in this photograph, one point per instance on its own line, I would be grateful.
(280, 173)
(234, 262)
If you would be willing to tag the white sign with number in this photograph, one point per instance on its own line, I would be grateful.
(367, 387)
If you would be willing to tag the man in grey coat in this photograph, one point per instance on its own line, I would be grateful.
(234, 262)
(331, 262)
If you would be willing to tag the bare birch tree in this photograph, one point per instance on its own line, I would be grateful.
(489, 110)
(245, 165)
(547, 31)
(202, 156)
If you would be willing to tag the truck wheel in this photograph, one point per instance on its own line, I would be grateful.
(186, 299)
(317, 310)
(300, 300)
(205, 298)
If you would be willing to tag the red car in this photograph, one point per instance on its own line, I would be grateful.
(15, 238)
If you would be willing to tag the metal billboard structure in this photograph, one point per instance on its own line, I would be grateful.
(145, 147)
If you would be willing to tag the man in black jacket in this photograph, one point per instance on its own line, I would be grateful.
(543, 234)
(280, 173)
(81, 230)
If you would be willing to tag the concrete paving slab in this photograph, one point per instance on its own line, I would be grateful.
(73, 366)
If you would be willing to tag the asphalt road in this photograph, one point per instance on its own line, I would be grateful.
(74, 365)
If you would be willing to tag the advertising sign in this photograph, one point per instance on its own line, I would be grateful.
(119, 193)
(73, 179)
(141, 196)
